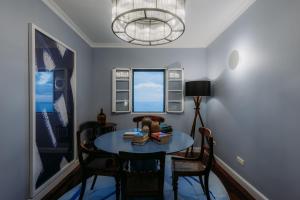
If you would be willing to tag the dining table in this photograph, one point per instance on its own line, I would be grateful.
(114, 142)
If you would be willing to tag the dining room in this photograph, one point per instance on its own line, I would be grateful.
(149, 99)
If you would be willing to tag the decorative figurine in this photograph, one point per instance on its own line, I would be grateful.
(146, 129)
(155, 127)
(146, 122)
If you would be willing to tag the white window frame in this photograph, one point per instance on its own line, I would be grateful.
(114, 90)
(181, 90)
(165, 86)
(130, 92)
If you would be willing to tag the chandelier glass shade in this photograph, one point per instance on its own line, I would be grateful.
(148, 22)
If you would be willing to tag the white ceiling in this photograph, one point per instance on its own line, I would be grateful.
(205, 21)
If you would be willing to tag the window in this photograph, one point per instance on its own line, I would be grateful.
(148, 90)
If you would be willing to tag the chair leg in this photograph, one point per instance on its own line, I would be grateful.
(117, 188)
(123, 195)
(213, 162)
(187, 152)
(175, 186)
(201, 183)
(83, 185)
(206, 186)
(94, 181)
(162, 196)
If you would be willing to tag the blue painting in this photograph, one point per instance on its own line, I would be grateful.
(148, 91)
(53, 118)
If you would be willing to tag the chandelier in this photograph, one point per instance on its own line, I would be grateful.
(148, 22)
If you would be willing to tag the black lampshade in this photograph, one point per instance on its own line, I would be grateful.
(197, 88)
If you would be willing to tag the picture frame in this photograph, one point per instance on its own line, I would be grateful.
(52, 75)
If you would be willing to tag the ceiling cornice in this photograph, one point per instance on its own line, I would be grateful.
(230, 19)
(61, 14)
(222, 27)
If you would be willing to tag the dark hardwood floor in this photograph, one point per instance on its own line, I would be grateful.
(234, 189)
(65, 185)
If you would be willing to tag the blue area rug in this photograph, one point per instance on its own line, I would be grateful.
(188, 188)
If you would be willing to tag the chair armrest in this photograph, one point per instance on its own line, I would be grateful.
(98, 153)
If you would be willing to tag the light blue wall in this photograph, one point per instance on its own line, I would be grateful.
(255, 110)
(193, 61)
(14, 85)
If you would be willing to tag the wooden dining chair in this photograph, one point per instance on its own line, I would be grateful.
(94, 162)
(200, 166)
(138, 119)
(142, 182)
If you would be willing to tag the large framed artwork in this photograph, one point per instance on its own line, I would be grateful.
(52, 109)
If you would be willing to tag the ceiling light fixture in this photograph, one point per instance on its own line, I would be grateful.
(148, 22)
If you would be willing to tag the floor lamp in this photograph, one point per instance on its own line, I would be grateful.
(196, 89)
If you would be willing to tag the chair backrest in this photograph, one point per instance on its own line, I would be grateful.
(207, 147)
(128, 159)
(86, 135)
(138, 119)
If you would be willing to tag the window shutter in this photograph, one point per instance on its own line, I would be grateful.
(121, 90)
(174, 90)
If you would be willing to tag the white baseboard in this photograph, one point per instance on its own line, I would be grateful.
(41, 194)
(244, 183)
(238, 178)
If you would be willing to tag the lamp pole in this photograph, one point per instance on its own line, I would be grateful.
(196, 89)
(197, 101)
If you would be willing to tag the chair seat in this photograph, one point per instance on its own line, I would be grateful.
(94, 162)
(199, 166)
(187, 167)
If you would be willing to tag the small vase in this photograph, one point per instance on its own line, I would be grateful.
(101, 117)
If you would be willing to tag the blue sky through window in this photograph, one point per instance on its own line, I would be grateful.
(148, 94)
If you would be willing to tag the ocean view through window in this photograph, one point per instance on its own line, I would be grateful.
(148, 90)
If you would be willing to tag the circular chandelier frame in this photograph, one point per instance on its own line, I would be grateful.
(150, 42)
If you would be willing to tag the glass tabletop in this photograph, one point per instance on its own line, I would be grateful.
(113, 142)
